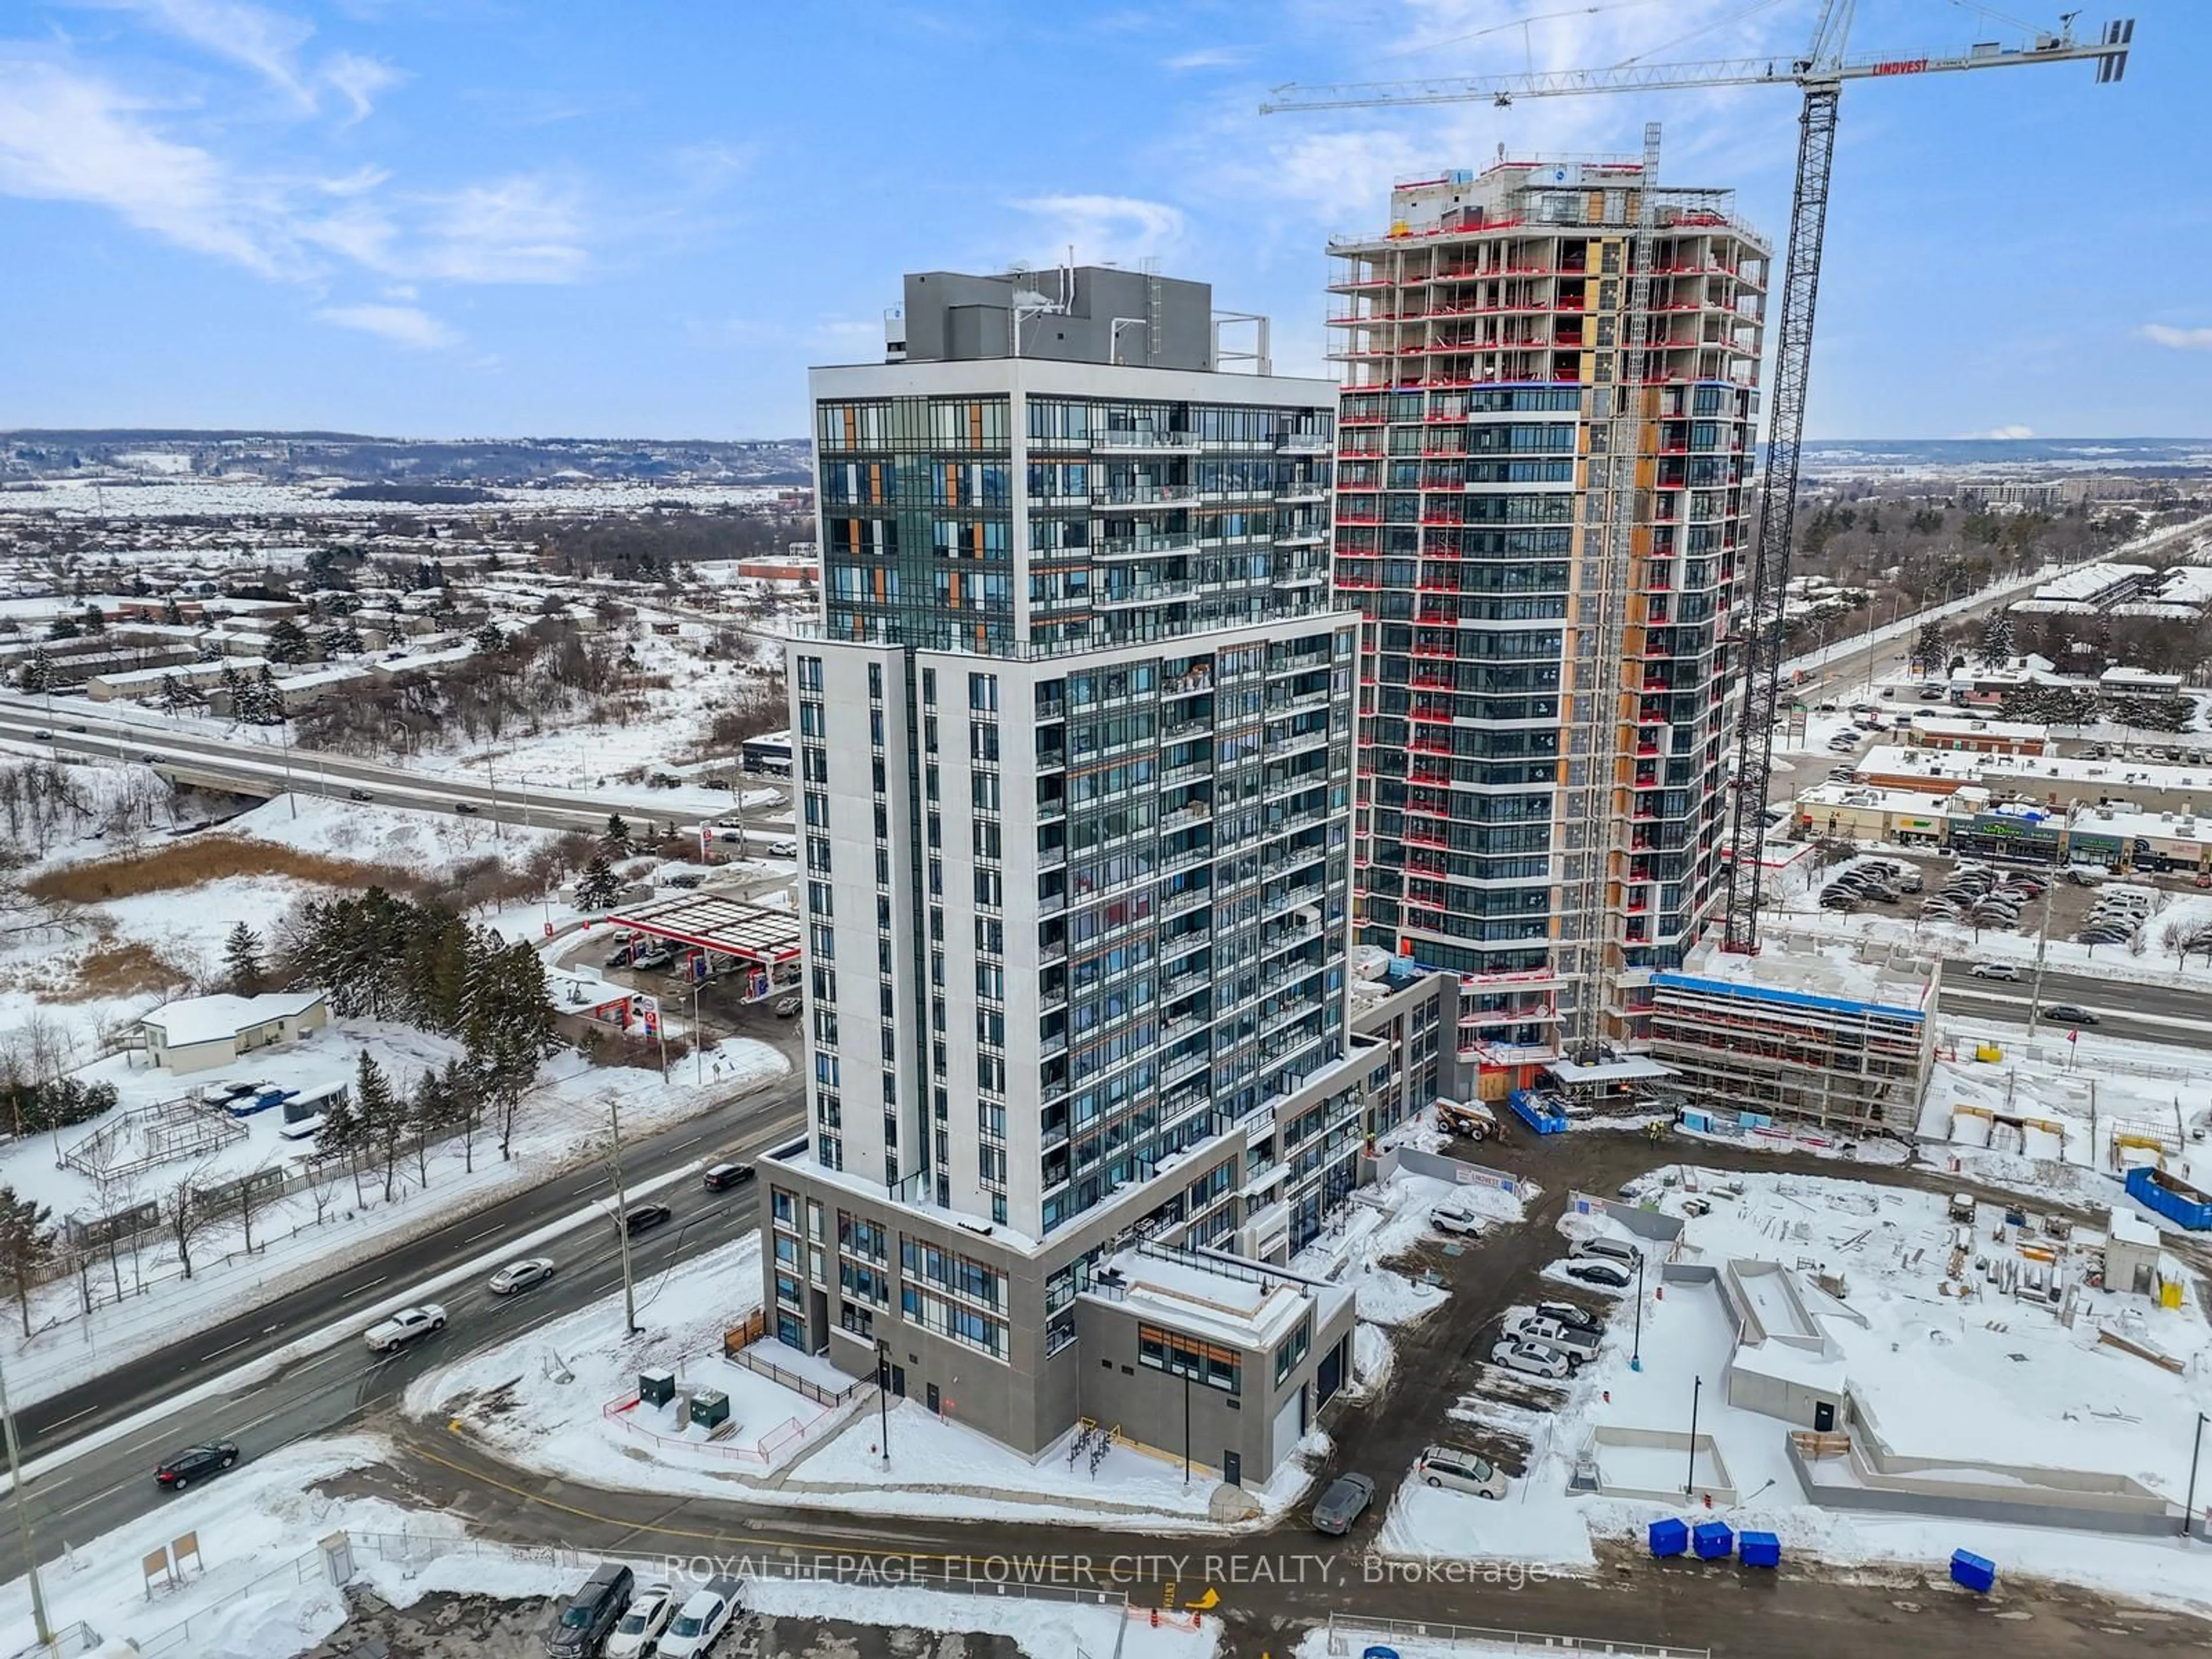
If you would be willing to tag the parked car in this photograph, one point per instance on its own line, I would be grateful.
(1606, 1250)
(1531, 1361)
(1606, 1273)
(1342, 1504)
(521, 1275)
(196, 1463)
(644, 1217)
(653, 956)
(1994, 970)
(700, 1622)
(1567, 1314)
(408, 1325)
(1576, 1344)
(650, 1610)
(1460, 1471)
(721, 1178)
(2070, 1013)
(1931, 694)
(786, 1006)
(1456, 1218)
(592, 1613)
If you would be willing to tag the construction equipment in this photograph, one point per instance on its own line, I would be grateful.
(1820, 75)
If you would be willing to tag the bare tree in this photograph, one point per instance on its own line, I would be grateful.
(187, 1215)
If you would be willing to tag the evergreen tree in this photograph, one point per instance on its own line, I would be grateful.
(172, 612)
(1927, 648)
(341, 639)
(241, 957)
(597, 887)
(1997, 645)
(617, 836)
(383, 1117)
(26, 1245)
(62, 627)
(37, 674)
(288, 642)
(94, 619)
(488, 638)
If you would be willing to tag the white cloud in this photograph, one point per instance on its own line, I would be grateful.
(1117, 229)
(2178, 339)
(406, 325)
(358, 80)
(523, 229)
(267, 42)
(1208, 57)
(2004, 432)
(68, 136)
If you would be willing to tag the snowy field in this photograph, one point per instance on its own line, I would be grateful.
(257, 1591)
(1951, 1368)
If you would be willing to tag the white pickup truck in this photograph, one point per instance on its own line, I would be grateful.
(404, 1326)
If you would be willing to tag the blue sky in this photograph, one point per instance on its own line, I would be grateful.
(464, 217)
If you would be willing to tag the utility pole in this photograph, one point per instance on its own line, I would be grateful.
(883, 1396)
(2042, 944)
(621, 1226)
(698, 1037)
(492, 784)
(23, 1520)
(1635, 1352)
(285, 733)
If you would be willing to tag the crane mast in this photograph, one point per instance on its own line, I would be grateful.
(1756, 628)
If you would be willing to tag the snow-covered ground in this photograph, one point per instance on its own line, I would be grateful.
(1948, 1368)
(559, 1123)
(257, 1590)
(549, 1402)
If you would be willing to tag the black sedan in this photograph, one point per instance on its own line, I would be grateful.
(644, 1217)
(197, 1463)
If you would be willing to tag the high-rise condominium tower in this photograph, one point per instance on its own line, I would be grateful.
(1074, 789)
(1546, 698)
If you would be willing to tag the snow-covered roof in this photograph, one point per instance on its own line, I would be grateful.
(2125, 1227)
(2091, 581)
(1238, 1305)
(208, 1019)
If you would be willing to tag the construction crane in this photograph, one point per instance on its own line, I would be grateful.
(1820, 73)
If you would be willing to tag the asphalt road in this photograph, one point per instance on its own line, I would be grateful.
(261, 769)
(109, 1485)
(2172, 1015)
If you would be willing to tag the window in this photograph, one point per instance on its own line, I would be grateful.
(1292, 1351)
(1178, 1355)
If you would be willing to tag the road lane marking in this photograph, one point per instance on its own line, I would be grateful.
(219, 1353)
(66, 1421)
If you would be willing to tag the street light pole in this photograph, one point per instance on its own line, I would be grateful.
(2042, 944)
(621, 1226)
(23, 1520)
(1186, 1428)
(1696, 1388)
(1636, 1354)
(883, 1396)
(2189, 1510)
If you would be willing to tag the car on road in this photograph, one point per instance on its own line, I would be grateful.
(1530, 1360)
(196, 1463)
(43, 737)
(359, 794)
(700, 1622)
(650, 1610)
(79, 730)
(1993, 970)
(783, 848)
(1613, 1277)
(644, 1217)
(1342, 1504)
(785, 1006)
(467, 808)
(1460, 1471)
(408, 1324)
(147, 758)
(1456, 1218)
(653, 956)
(2071, 1013)
(521, 1275)
(592, 1613)
(721, 1177)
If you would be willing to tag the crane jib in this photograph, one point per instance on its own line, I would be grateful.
(1902, 66)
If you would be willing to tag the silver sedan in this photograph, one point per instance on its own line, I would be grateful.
(521, 1275)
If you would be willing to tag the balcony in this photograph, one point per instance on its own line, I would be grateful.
(1142, 438)
(1302, 443)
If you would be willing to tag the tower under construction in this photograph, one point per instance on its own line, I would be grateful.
(1546, 439)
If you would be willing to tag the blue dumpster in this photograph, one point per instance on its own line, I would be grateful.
(1380, 1653)
(1669, 1537)
(1759, 1549)
(1710, 1540)
(1976, 1572)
